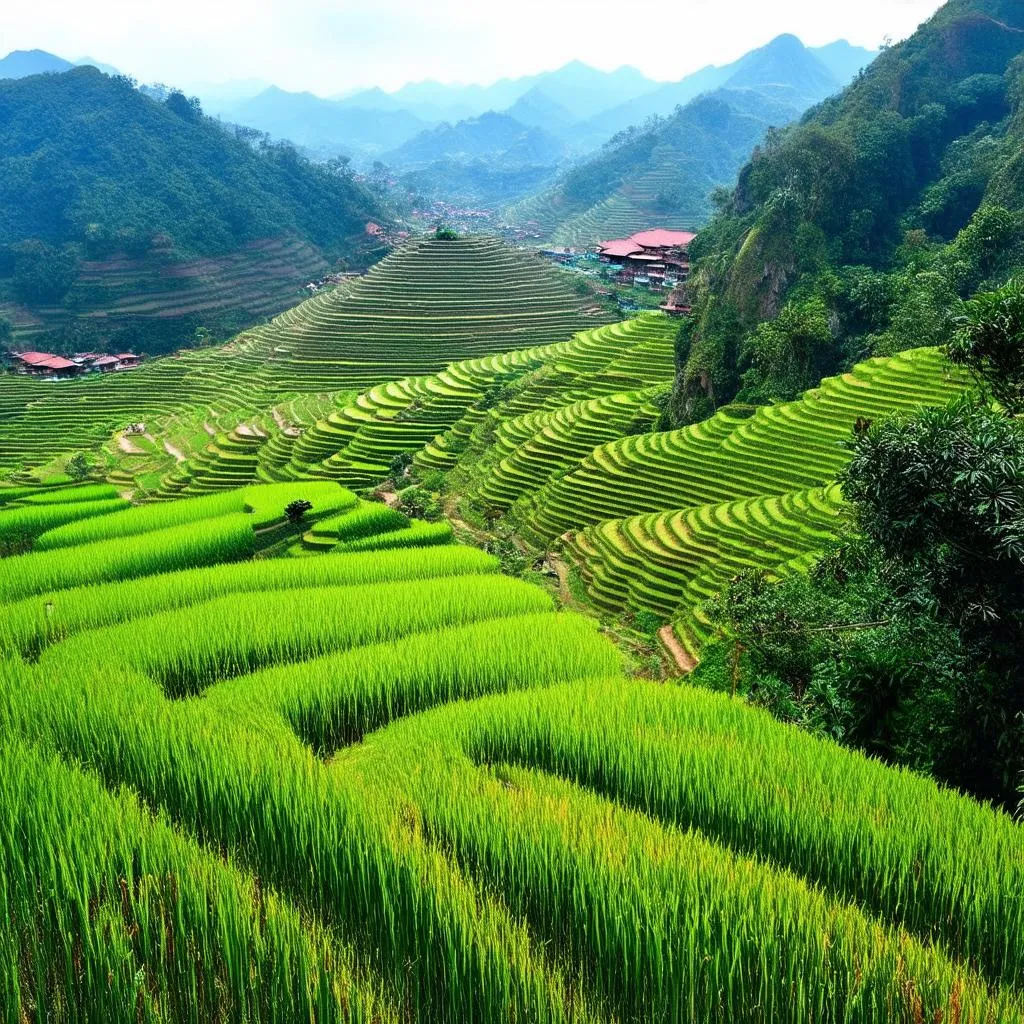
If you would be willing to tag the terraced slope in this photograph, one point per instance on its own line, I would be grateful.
(425, 415)
(491, 821)
(428, 304)
(161, 293)
(741, 452)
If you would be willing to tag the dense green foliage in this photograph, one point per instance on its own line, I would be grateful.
(909, 639)
(879, 210)
(89, 161)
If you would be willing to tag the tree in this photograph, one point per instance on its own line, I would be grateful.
(6, 331)
(941, 497)
(79, 466)
(989, 342)
(296, 510)
(443, 233)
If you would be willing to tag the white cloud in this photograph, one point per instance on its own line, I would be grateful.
(330, 45)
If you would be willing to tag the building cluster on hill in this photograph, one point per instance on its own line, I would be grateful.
(46, 364)
(656, 259)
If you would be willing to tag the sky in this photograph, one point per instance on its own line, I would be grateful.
(333, 46)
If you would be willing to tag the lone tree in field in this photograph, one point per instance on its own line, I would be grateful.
(79, 466)
(296, 510)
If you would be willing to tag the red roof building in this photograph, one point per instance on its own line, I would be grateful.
(55, 364)
(31, 358)
(660, 238)
(620, 247)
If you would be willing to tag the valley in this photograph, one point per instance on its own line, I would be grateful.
(557, 555)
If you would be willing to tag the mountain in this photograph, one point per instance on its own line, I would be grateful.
(854, 232)
(585, 91)
(325, 126)
(88, 62)
(537, 109)
(581, 90)
(218, 98)
(799, 74)
(662, 173)
(102, 186)
(22, 63)
(491, 136)
(786, 68)
(843, 61)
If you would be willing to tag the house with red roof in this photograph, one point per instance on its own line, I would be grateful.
(657, 257)
(46, 364)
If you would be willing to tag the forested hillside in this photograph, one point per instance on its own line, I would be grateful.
(855, 232)
(664, 170)
(100, 183)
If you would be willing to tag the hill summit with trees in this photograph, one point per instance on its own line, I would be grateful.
(854, 232)
(95, 176)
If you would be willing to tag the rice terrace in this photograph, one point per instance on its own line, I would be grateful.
(525, 624)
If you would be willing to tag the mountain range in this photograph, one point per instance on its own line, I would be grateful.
(22, 63)
(685, 140)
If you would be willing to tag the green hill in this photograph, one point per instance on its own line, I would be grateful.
(118, 210)
(663, 173)
(839, 228)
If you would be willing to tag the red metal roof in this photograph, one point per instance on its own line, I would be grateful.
(660, 238)
(126, 355)
(106, 360)
(56, 363)
(34, 357)
(619, 247)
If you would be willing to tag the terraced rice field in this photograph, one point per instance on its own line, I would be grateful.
(247, 774)
(425, 305)
(635, 205)
(431, 303)
(661, 520)
(259, 280)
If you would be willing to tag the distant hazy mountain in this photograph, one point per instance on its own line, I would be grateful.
(538, 110)
(325, 125)
(800, 74)
(22, 63)
(497, 137)
(578, 105)
(219, 97)
(582, 90)
(662, 173)
(843, 60)
(88, 62)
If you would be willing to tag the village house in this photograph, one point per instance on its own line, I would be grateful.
(46, 364)
(658, 258)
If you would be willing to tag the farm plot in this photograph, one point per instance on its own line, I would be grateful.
(399, 786)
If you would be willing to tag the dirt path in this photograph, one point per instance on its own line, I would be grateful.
(179, 455)
(282, 423)
(211, 430)
(679, 653)
(562, 572)
(390, 498)
(128, 446)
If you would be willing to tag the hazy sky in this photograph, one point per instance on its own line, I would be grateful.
(328, 46)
